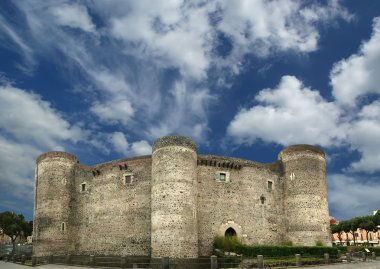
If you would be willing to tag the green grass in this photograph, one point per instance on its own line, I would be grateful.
(28, 262)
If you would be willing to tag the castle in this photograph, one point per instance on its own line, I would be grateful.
(174, 202)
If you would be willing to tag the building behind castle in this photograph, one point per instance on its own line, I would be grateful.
(174, 202)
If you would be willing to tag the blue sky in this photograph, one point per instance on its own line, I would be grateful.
(104, 79)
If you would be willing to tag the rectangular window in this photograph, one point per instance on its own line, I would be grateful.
(222, 177)
(62, 226)
(83, 186)
(128, 179)
(270, 185)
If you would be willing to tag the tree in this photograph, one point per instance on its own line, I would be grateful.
(337, 228)
(14, 226)
(368, 225)
(346, 227)
(355, 224)
(376, 218)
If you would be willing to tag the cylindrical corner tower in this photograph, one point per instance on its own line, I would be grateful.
(306, 206)
(54, 186)
(174, 223)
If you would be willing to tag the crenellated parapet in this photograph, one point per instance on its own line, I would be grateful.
(56, 154)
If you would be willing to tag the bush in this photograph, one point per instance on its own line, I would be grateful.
(226, 243)
(345, 249)
(232, 244)
(283, 251)
(319, 243)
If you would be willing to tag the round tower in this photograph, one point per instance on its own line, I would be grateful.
(53, 190)
(305, 201)
(174, 223)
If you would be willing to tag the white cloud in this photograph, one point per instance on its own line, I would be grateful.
(28, 118)
(120, 144)
(183, 112)
(17, 163)
(289, 114)
(113, 111)
(73, 15)
(21, 47)
(182, 35)
(352, 195)
(364, 136)
(292, 113)
(175, 33)
(141, 147)
(28, 127)
(357, 76)
(144, 39)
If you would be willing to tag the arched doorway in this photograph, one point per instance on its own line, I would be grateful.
(230, 232)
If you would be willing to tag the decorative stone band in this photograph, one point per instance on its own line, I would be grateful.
(56, 154)
(175, 140)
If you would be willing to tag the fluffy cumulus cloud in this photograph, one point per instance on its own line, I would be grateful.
(26, 117)
(357, 75)
(291, 113)
(261, 27)
(352, 195)
(28, 127)
(364, 136)
(120, 144)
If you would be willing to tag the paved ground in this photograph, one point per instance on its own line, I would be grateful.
(362, 265)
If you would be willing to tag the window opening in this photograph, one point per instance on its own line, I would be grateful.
(262, 199)
(62, 226)
(222, 177)
(128, 179)
(270, 185)
(83, 186)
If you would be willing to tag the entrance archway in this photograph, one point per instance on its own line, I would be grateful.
(230, 232)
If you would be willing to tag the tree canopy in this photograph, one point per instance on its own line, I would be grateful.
(15, 226)
(369, 224)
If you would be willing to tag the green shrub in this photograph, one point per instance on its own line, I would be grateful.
(226, 243)
(345, 249)
(283, 251)
(319, 243)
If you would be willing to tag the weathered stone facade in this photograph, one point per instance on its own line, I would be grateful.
(174, 202)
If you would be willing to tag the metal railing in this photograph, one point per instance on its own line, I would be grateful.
(212, 262)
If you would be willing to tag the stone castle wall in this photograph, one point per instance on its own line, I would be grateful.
(175, 203)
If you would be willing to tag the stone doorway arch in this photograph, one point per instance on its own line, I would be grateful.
(230, 232)
(230, 227)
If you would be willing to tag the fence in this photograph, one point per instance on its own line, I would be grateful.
(212, 262)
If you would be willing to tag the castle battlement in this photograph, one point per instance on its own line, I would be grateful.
(175, 201)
